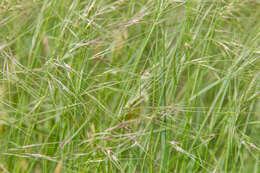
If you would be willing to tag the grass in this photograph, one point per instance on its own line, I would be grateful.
(129, 86)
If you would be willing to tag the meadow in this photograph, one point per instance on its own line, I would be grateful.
(131, 86)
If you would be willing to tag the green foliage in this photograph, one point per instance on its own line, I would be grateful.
(129, 86)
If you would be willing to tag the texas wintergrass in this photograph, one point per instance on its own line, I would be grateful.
(129, 86)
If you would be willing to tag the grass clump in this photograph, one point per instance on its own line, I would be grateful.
(129, 86)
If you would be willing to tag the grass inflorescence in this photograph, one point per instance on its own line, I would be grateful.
(129, 86)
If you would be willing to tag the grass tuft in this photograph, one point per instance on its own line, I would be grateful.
(129, 86)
